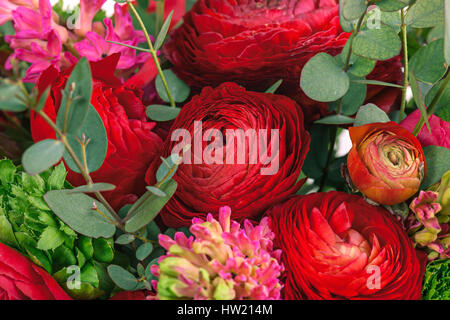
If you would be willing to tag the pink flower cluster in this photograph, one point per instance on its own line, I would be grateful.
(41, 41)
(220, 261)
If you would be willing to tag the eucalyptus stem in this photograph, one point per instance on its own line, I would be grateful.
(405, 64)
(78, 163)
(153, 52)
(159, 15)
(334, 131)
(432, 107)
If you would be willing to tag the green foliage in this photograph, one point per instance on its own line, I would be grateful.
(425, 14)
(378, 44)
(178, 89)
(437, 159)
(436, 284)
(42, 155)
(323, 79)
(162, 113)
(10, 97)
(428, 64)
(30, 226)
(370, 113)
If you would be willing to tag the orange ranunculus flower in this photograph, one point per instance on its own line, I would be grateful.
(386, 162)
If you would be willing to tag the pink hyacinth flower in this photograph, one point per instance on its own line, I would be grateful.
(88, 10)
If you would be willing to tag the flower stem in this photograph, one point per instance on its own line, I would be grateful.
(432, 107)
(153, 53)
(78, 163)
(405, 64)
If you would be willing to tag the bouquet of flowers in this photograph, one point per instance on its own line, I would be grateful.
(225, 149)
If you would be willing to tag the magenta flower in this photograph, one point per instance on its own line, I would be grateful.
(440, 130)
(8, 6)
(221, 261)
(88, 10)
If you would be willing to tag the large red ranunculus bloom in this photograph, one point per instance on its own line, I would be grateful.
(248, 185)
(255, 43)
(337, 246)
(131, 143)
(20, 279)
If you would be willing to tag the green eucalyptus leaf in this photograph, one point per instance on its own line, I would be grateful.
(428, 63)
(156, 191)
(273, 88)
(392, 5)
(168, 167)
(163, 33)
(122, 278)
(438, 164)
(323, 80)
(162, 113)
(150, 208)
(377, 44)
(447, 32)
(94, 129)
(76, 211)
(125, 239)
(346, 25)
(9, 100)
(144, 251)
(337, 119)
(42, 155)
(95, 187)
(370, 113)
(352, 100)
(353, 9)
(418, 98)
(425, 14)
(179, 90)
(79, 106)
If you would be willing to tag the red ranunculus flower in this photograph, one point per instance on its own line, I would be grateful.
(20, 279)
(131, 143)
(337, 246)
(386, 162)
(236, 173)
(255, 43)
(440, 130)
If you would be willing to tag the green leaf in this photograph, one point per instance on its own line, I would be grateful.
(168, 164)
(9, 101)
(436, 33)
(444, 100)
(7, 172)
(178, 89)
(125, 239)
(42, 155)
(161, 113)
(353, 99)
(75, 210)
(273, 88)
(346, 25)
(57, 177)
(6, 231)
(86, 247)
(95, 187)
(353, 9)
(50, 239)
(370, 113)
(156, 191)
(94, 129)
(63, 257)
(425, 14)
(392, 5)
(150, 208)
(447, 32)
(378, 44)
(418, 98)
(323, 80)
(337, 119)
(122, 278)
(144, 251)
(437, 164)
(428, 63)
(163, 33)
(43, 99)
(103, 250)
(79, 107)
(316, 158)
(377, 83)
(39, 258)
(362, 67)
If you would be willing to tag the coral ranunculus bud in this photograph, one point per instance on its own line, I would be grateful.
(386, 162)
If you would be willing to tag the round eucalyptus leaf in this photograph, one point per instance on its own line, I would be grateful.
(179, 90)
(377, 44)
(42, 155)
